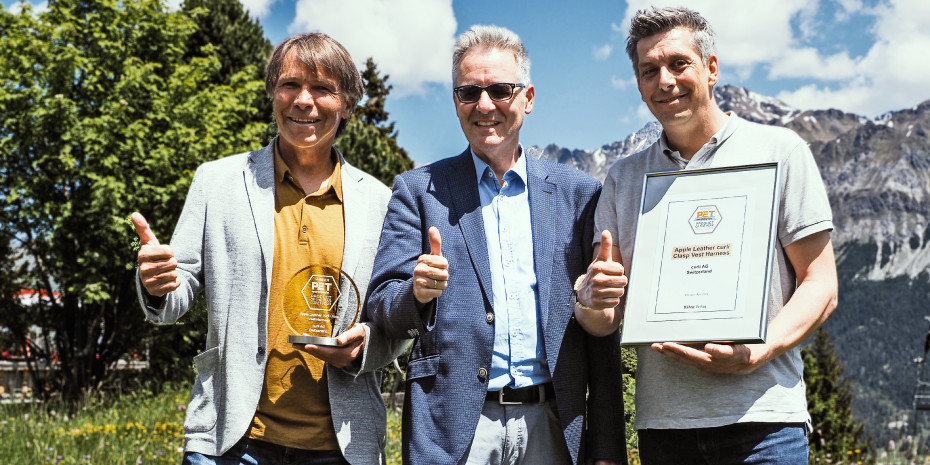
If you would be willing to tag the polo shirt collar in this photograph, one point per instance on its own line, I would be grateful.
(282, 174)
(723, 134)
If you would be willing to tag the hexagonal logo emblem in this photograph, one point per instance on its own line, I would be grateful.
(705, 219)
(321, 292)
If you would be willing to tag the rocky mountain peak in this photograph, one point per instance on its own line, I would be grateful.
(877, 173)
(754, 107)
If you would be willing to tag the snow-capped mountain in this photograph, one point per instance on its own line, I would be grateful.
(877, 172)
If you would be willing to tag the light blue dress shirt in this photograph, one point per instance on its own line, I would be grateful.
(519, 355)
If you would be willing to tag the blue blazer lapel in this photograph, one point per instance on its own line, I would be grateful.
(463, 190)
(541, 195)
(259, 185)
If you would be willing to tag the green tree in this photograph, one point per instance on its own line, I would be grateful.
(100, 115)
(239, 43)
(369, 141)
(837, 434)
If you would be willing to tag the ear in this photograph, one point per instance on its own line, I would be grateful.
(530, 97)
(713, 71)
(346, 111)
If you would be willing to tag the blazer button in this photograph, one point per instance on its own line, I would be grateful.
(482, 373)
(489, 317)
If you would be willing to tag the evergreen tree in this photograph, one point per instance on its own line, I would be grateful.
(369, 141)
(238, 42)
(837, 434)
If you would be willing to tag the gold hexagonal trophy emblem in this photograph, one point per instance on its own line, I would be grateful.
(313, 301)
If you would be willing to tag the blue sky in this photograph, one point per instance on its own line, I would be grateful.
(862, 56)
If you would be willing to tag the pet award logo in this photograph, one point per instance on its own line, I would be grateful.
(705, 219)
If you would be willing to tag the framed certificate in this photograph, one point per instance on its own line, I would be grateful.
(702, 258)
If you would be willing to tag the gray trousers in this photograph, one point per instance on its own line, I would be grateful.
(517, 434)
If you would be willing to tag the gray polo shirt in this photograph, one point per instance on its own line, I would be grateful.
(670, 394)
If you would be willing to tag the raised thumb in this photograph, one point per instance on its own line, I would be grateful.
(143, 230)
(607, 245)
(435, 241)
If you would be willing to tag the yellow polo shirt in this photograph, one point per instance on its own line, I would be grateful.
(294, 408)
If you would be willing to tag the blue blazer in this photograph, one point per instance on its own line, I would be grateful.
(447, 376)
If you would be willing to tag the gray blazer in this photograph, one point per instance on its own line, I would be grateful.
(224, 244)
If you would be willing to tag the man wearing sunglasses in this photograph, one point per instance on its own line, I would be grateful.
(476, 262)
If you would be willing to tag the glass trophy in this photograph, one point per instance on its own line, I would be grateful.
(312, 301)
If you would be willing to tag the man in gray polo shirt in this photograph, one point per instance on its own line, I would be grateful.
(714, 403)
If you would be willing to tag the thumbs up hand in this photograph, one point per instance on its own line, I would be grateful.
(603, 285)
(157, 265)
(431, 274)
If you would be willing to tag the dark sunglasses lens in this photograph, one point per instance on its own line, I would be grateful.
(468, 94)
(500, 91)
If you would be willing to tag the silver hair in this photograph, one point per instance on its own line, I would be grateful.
(491, 37)
(646, 23)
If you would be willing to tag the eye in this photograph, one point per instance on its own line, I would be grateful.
(647, 72)
(680, 64)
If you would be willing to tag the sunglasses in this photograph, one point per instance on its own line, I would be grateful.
(498, 92)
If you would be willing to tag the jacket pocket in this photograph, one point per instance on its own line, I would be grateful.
(423, 367)
(201, 411)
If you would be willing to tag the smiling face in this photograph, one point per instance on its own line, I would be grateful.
(492, 128)
(673, 81)
(308, 107)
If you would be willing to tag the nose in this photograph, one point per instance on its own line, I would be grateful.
(666, 78)
(485, 104)
(304, 98)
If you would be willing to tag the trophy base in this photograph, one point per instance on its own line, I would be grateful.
(317, 340)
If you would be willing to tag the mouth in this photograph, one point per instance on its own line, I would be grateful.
(486, 124)
(303, 121)
(671, 99)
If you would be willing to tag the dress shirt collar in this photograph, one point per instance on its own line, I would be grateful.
(482, 168)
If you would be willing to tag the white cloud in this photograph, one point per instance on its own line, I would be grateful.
(890, 76)
(853, 98)
(807, 62)
(37, 8)
(603, 52)
(759, 35)
(257, 8)
(411, 40)
(621, 83)
(748, 33)
(847, 7)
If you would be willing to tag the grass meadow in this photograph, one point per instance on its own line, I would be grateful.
(134, 428)
(146, 428)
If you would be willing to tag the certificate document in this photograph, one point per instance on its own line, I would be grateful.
(702, 256)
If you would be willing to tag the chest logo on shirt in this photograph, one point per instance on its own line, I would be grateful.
(705, 219)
